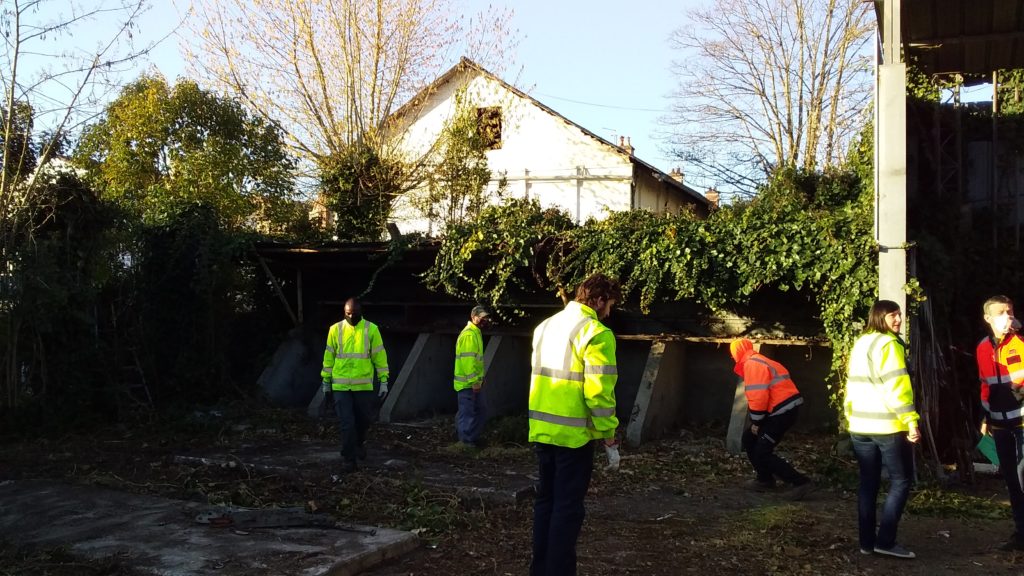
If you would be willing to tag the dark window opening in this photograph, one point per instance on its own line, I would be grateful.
(488, 121)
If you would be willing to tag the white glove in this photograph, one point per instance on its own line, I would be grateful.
(613, 457)
(383, 390)
(327, 387)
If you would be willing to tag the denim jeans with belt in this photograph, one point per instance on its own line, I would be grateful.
(895, 453)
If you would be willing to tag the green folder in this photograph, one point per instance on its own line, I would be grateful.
(987, 447)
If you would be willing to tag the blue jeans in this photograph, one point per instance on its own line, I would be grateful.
(469, 422)
(1010, 449)
(873, 451)
(558, 509)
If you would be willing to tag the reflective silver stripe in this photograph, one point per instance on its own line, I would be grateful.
(992, 380)
(893, 374)
(383, 369)
(468, 355)
(330, 349)
(602, 412)
(1005, 415)
(904, 409)
(567, 365)
(788, 407)
(377, 349)
(352, 380)
(559, 374)
(366, 343)
(467, 377)
(567, 360)
(874, 415)
(600, 370)
(560, 420)
(776, 376)
(756, 417)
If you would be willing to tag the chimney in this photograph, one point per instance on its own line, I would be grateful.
(629, 146)
(677, 175)
(712, 196)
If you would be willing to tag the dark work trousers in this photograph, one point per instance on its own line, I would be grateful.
(1010, 449)
(761, 449)
(469, 421)
(354, 410)
(558, 508)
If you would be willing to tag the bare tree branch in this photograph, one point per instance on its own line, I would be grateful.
(773, 82)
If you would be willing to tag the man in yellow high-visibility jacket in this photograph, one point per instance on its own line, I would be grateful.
(469, 377)
(572, 404)
(354, 354)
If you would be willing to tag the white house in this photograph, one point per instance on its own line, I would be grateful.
(540, 153)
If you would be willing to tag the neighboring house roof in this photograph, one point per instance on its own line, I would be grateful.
(467, 65)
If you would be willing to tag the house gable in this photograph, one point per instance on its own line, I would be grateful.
(541, 154)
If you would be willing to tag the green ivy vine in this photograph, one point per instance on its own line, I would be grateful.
(809, 232)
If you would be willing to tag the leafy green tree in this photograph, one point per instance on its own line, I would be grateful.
(358, 186)
(159, 147)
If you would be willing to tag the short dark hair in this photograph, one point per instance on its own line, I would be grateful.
(876, 317)
(997, 299)
(598, 286)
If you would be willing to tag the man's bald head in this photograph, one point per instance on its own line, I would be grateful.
(353, 311)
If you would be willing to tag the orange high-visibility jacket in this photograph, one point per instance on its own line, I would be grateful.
(769, 389)
(1001, 371)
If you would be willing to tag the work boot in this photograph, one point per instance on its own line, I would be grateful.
(1014, 543)
(756, 485)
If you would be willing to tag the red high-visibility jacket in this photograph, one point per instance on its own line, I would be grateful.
(1001, 371)
(767, 384)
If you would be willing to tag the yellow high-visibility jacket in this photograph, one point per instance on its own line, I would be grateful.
(879, 398)
(572, 388)
(469, 357)
(352, 355)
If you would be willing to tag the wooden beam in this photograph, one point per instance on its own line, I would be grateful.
(277, 289)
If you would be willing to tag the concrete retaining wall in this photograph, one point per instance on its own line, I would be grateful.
(664, 385)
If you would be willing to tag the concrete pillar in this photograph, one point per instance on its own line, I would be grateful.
(424, 384)
(659, 399)
(891, 159)
(738, 420)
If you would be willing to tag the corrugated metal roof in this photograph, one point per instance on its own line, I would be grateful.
(970, 37)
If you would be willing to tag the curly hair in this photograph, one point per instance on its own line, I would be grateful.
(596, 287)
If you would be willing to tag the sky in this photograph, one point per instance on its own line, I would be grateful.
(602, 64)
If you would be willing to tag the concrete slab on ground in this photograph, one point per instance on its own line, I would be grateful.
(160, 536)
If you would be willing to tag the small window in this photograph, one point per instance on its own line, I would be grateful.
(488, 121)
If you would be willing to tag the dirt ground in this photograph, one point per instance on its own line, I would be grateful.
(675, 507)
